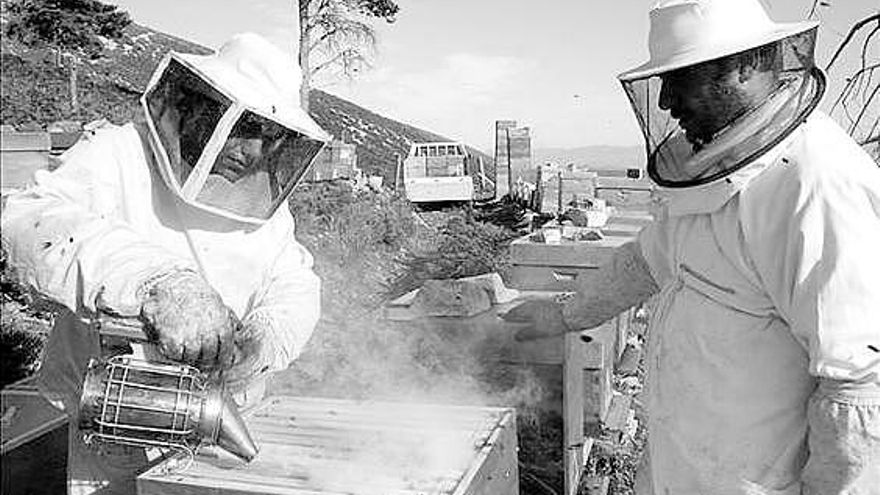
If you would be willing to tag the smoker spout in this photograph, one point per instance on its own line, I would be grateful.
(234, 436)
(224, 426)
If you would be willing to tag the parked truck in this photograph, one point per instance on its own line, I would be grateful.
(445, 172)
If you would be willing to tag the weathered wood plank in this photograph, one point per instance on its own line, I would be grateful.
(495, 470)
(573, 410)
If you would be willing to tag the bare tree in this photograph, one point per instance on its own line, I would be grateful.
(337, 35)
(857, 105)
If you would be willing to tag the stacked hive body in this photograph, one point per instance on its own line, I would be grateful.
(323, 446)
(625, 192)
(338, 160)
(22, 154)
(558, 267)
(587, 367)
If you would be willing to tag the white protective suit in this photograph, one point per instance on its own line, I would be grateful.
(104, 222)
(769, 302)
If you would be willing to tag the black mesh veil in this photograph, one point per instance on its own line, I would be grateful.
(714, 135)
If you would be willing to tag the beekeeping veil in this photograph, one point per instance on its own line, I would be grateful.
(685, 35)
(227, 129)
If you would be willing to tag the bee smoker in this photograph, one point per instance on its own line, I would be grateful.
(131, 401)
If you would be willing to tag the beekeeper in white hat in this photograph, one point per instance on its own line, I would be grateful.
(180, 221)
(763, 357)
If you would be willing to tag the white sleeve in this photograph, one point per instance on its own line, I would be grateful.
(65, 239)
(288, 306)
(654, 243)
(812, 226)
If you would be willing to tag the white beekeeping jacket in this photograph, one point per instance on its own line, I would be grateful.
(94, 230)
(769, 281)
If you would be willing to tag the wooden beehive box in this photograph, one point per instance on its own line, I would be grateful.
(558, 267)
(22, 154)
(541, 266)
(326, 446)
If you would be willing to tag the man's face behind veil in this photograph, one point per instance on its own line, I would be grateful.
(243, 152)
(704, 98)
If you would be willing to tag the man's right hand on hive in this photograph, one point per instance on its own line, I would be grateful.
(540, 319)
(188, 320)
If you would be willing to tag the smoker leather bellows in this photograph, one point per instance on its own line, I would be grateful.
(133, 402)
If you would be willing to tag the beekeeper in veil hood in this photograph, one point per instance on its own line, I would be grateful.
(180, 221)
(763, 353)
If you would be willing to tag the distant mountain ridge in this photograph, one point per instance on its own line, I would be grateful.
(599, 157)
(34, 90)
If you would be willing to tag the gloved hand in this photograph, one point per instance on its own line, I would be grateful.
(251, 356)
(541, 318)
(186, 317)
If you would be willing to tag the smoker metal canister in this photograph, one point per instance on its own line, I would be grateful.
(133, 402)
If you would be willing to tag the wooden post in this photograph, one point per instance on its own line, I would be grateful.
(509, 165)
(539, 190)
(559, 195)
(576, 445)
(70, 60)
(397, 173)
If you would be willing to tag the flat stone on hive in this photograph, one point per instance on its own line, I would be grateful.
(494, 286)
(451, 298)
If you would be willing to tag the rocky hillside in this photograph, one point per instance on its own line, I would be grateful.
(35, 91)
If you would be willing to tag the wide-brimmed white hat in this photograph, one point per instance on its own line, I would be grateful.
(688, 32)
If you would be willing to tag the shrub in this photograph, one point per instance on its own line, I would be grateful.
(37, 93)
(71, 24)
(21, 342)
(24, 323)
(464, 247)
(356, 237)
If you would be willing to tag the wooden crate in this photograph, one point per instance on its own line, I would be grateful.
(325, 446)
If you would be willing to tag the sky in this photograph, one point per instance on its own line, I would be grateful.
(455, 66)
